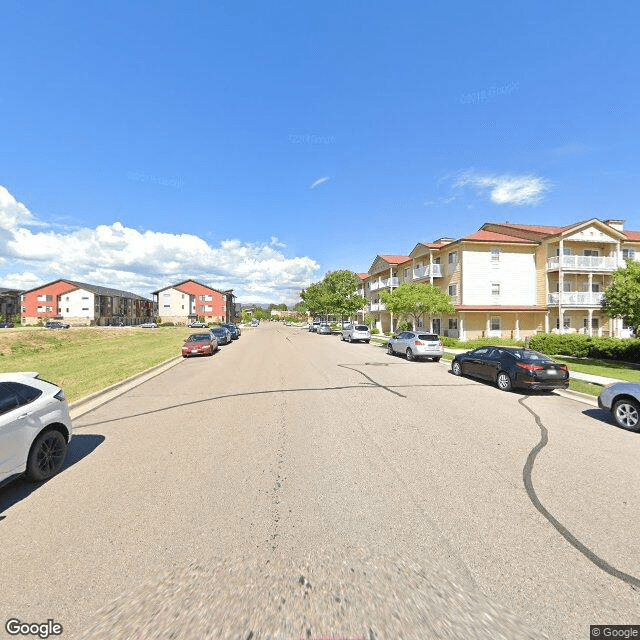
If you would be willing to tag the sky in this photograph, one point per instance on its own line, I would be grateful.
(257, 146)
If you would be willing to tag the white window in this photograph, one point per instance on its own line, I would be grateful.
(453, 257)
(405, 273)
(453, 324)
(453, 290)
(24, 309)
(495, 288)
(495, 324)
(85, 308)
(166, 295)
(594, 323)
(495, 255)
(167, 306)
(566, 287)
(67, 310)
(591, 252)
(67, 298)
(83, 297)
(565, 252)
(629, 254)
(566, 322)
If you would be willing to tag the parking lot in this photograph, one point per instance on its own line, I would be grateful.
(291, 443)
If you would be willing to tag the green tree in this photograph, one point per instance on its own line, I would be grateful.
(316, 299)
(415, 299)
(341, 292)
(622, 296)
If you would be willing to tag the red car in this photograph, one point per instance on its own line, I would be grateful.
(199, 344)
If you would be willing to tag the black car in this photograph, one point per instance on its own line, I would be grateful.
(512, 367)
(57, 325)
(222, 334)
(233, 330)
(6, 325)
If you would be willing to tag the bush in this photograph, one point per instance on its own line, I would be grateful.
(17, 320)
(405, 326)
(579, 346)
(375, 331)
(334, 326)
(166, 324)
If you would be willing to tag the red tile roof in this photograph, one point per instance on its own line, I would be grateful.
(395, 259)
(632, 235)
(492, 236)
(537, 228)
(363, 276)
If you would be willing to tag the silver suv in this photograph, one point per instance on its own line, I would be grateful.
(355, 333)
(416, 344)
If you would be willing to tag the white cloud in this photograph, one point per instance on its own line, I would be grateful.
(120, 256)
(507, 189)
(319, 181)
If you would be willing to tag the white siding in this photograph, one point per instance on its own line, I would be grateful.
(80, 304)
(176, 301)
(515, 272)
(591, 234)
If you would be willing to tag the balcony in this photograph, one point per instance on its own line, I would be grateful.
(360, 291)
(426, 272)
(583, 263)
(377, 307)
(576, 298)
(383, 283)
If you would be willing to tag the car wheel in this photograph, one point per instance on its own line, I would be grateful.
(456, 368)
(349, 339)
(342, 337)
(437, 359)
(410, 356)
(389, 349)
(46, 456)
(626, 413)
(504, 381)
(366, 342)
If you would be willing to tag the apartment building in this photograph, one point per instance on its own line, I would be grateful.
(511, 281)
(9, 303)
(82, 304)
(189, 300)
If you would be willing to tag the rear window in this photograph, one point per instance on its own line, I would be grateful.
(361, 327)
(530, 356)
(429, 337)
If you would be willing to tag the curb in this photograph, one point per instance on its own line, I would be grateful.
(585, 398)
(78, 405)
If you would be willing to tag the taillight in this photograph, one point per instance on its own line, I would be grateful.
(60, 396)
(529, 367)
(440, 344)
(563, 367)
(419, 344)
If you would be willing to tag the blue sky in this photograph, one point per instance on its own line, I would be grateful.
(258, 146)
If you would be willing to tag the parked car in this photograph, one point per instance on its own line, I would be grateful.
(6, 325)
(200, 344)
(222, 334)
(416, 344)
(623, 400)
(355, 333)
(314, 325)
(255, 323)
(197, 325)
(512, 367)
(57, 325)
(233, 327)
(35, 427)
(324, 329)
(149, 325)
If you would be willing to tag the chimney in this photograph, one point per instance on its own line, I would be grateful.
(618, 225)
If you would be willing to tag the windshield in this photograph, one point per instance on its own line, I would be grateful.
(200, 337)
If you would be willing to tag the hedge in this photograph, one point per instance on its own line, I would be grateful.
(627, 350)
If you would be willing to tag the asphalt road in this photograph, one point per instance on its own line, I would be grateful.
(290, 457)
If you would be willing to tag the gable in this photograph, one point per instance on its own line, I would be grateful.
(592, 233)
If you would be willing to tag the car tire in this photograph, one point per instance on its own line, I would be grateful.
(47, 456)
(437, 359)
(366, 342)
(349, 338)
(504, 381)
(342, 337)
(626, 413)
(390, 350)
(410, 356)
(456, 368)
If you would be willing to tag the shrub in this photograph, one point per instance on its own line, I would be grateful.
(167, 324)
(405, 326)
(375, 331)
(580, 346)
(17, 319)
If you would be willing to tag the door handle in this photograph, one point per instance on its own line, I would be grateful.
(24, 415)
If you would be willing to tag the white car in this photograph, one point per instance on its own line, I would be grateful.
(416, 344)
(356, 332)
(35, 427)
(148, 325)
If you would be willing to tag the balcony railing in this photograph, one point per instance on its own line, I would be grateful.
(577, 298)
(384, 282)
(425, 272)
(377, 307)
(586, 263)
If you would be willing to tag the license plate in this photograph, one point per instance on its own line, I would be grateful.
(552, 372)
(194, 350)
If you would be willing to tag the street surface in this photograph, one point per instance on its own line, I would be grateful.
(289, 447)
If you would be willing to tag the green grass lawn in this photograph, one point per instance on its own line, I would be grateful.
(601, 368)
(585, 387)
(82, 361)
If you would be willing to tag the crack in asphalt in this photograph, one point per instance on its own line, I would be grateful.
(377, 384)
(632, 581)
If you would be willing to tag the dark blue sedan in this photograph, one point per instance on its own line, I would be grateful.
(510, 367)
